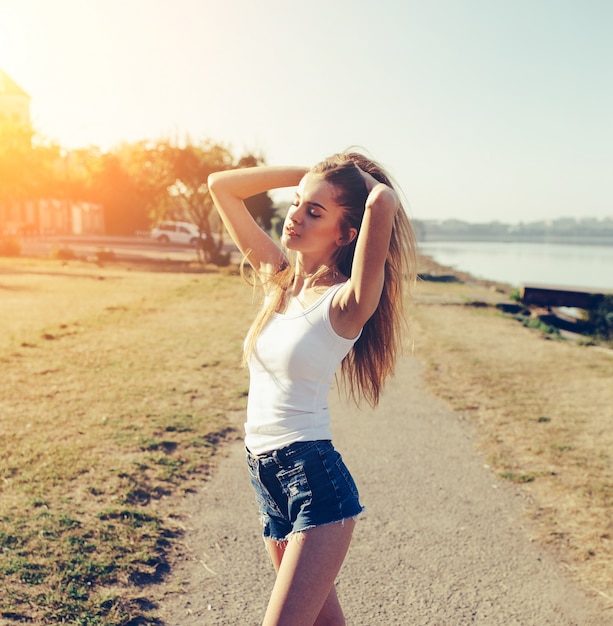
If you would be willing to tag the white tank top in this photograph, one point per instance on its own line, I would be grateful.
(292, 370)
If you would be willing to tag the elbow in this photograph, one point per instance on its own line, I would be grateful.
(212, 180)
(217, 185)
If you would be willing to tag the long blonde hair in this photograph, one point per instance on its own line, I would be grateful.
(373, 356)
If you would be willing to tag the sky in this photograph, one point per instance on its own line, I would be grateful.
(481, 110)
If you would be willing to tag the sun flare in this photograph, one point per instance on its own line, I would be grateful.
(13, 48)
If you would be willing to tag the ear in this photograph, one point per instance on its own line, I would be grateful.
(344, 241)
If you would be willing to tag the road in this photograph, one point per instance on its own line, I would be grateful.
(124, 248)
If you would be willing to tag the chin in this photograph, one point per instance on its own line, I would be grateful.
(288, 241)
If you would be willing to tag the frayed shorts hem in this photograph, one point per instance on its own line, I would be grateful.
(293, 533)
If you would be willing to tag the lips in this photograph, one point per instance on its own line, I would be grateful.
(291, 232)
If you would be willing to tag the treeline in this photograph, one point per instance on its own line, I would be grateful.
(136, 184)
(590, 230)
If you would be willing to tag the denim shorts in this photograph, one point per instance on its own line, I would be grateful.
(303, 485)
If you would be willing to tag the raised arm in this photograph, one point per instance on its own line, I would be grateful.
(358, 301)
(230, 188)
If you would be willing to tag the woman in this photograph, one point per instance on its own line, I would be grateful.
(333, 296)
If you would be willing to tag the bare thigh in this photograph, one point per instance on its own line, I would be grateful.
(307, 565)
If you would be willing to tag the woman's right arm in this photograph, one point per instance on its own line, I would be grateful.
(230, 188)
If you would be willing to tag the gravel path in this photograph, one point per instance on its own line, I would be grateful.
(442, 542)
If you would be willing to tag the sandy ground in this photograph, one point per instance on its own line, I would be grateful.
(442, 542)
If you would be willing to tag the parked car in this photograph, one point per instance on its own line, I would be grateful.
(184, 233)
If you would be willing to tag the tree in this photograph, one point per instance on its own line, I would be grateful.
(170, 182)
(261, 205)
(192, 166)
(28, 172)
(15, 163)
(149, 164)
(117, 190)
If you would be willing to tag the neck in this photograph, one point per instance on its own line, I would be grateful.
(321, 275)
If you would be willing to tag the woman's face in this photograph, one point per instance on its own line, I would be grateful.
(312, 224)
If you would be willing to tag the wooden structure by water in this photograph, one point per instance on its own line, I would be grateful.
(554, 296)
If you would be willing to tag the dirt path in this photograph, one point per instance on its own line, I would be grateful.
(443, 542)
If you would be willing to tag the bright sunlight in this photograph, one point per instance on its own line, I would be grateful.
(13, 52)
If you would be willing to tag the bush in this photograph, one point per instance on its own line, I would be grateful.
(221, 259)
(541, 325)
(104, 254)
(63, 254)
(601, 318)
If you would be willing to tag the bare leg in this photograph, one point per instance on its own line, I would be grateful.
(307, 566)
(331, 612)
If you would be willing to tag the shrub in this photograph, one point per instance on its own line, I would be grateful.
(63, 254)
(538, 324)
(601, 318)
(104, 254)
(515, 295)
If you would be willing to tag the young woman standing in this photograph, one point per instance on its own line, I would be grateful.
(333, 296)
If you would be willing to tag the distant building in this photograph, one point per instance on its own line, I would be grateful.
(23, 215)
(14, 102)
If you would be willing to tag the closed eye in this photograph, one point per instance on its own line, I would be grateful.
(312, 209)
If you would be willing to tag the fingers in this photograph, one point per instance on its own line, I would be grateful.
(369, 179)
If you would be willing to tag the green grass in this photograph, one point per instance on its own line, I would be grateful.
(117, 387)
(537, 324)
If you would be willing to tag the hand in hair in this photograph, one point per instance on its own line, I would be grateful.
(379, 194)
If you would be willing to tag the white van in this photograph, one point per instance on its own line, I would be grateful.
(184, 233)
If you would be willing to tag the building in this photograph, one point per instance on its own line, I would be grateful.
(14, 103)
(23, 215)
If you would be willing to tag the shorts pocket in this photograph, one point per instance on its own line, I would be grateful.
(346, 474)
(266, 503)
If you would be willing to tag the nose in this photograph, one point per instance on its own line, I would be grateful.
(295, 214)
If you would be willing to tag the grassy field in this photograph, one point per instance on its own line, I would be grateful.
(116, 388)
(117, 384)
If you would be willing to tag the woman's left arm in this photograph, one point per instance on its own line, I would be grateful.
(359, 300)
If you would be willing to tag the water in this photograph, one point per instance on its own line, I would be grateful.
(564, 265)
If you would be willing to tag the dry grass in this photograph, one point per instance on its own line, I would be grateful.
(543, 411)
(116, 388)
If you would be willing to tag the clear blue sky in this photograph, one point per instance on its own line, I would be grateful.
(481, 109)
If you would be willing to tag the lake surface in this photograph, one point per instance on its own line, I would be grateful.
(565, 265)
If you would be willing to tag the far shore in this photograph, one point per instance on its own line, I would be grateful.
(594, 240)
